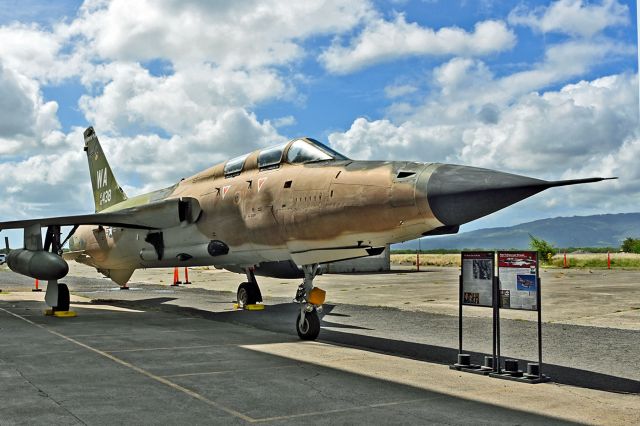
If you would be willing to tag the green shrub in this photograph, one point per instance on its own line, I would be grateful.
(544, 249)
(631, 245)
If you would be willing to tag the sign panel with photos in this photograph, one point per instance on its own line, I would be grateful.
(518, 274)
(477, 278)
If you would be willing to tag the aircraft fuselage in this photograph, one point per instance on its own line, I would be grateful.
(305, 213)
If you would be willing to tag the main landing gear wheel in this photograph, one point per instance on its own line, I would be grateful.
(309, 328)
(63, 298)
(247, 294)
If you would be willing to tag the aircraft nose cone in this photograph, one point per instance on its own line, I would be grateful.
(460, 194)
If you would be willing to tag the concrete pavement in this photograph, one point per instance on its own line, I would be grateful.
(182, 355)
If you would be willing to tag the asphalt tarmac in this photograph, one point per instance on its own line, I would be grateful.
(183, 355)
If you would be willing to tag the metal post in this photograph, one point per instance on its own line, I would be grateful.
(498, 303)
(539, 299)
(460, 315)
(494, 286)
(418, 257)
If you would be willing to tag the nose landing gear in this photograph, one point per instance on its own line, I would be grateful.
(310, 300)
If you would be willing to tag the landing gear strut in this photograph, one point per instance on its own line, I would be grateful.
(308, 321)
(249, 292)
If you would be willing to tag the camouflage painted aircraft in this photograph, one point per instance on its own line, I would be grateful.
(281, 211)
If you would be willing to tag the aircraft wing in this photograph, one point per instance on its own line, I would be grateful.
(155, 215)
(106, 219)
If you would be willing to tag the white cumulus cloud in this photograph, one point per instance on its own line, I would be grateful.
(229, 34)
(383, 40)
(553, 130)
(574, 17)
(397, 91)
(26, 121)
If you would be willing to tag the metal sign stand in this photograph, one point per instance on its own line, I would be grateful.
(511, 370)
(464, 360)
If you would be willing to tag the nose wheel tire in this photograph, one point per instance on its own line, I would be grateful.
(310, 327)
(246, 295)
(63, 298)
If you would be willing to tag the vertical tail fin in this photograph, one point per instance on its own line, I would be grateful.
(106, 191)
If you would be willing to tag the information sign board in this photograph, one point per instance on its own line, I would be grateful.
(477, 278)
(518, 276)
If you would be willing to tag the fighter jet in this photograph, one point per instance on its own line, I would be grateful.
(281, 211)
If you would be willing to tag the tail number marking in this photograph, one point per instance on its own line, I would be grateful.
(105, 197)
(101, 180)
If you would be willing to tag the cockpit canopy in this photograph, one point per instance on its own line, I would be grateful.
(297, 151)
(235, 165)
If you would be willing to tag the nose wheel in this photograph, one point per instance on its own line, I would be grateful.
(308, 326)
(310, 300)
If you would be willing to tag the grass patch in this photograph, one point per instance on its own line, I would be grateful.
(426, 259)
(596, 260)
(575, 260)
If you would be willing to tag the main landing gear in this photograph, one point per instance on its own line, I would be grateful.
(249, 292)
(310, 300)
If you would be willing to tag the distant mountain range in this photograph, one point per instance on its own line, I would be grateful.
(607, 230)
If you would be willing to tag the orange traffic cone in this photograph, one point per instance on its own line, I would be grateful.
(186, 276)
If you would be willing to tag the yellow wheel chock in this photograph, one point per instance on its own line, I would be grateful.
(248, 307)
(60, 314)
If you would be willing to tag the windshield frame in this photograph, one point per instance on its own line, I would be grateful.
(326, 148)
(331, 155)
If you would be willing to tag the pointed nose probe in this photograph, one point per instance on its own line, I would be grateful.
(460, 194)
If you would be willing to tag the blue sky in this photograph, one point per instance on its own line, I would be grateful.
(542, 88)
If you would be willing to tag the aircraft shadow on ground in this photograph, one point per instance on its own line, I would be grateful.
(280, 320)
